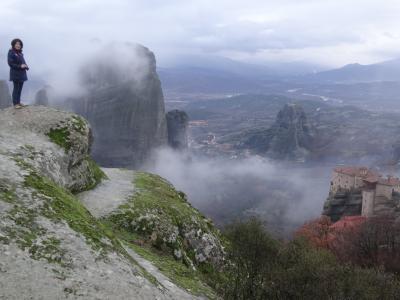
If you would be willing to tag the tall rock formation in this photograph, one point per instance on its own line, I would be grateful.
(177, 123)
(343, 203)
(5, 96)
(41, 97)
(124, 104)
(290, 137)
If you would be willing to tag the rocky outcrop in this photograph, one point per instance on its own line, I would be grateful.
(290, 137)
(162, 217)
(125, 106)
(41, 97)
(5, 96)
(70, 166)
(51, 245)
(177, 123)
(343, 203)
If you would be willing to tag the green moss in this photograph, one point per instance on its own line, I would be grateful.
(28, 235)
(158, 212)
(7, 194)
(157, 205)
(60, 136)
(63, 206)
(93, 175)
(98, 173)
(79, 124)
(50, 250)
(155, 193)
(58, 205)
(186, 277)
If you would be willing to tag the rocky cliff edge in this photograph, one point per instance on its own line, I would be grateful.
(69, 229)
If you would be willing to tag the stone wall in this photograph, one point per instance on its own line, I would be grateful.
(368, 202)
(384, 190)
(342, 181)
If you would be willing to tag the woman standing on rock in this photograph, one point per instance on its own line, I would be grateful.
(18, 68)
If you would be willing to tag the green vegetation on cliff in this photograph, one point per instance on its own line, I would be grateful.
(58, 205)
(158, 223)
(163, 216)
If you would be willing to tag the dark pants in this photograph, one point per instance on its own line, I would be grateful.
(16, 94)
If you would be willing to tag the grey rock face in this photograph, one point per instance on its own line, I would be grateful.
(343, 203)
(51, 247)
(291, 133)
(125, 107)
(5, 96)
(177, 123)
(68, 166)
(290, 137)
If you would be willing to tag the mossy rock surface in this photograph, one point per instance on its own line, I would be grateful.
(162, 217)
(159, 224)
(51, 246)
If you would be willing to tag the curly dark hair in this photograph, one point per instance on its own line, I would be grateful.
(14, 41)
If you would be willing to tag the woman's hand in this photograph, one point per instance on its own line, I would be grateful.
(24, 66)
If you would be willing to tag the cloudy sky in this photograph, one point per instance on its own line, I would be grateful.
(319, 31)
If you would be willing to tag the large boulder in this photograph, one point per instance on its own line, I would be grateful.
(25, 132)
(177, 123)
(124, 103)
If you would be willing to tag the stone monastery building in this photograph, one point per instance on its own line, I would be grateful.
(380, 195)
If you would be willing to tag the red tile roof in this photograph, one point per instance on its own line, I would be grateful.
(362, 172)
(371, 179)
(391, 181)
(368, 175)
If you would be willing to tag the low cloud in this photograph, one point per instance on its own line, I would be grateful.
(283, 196)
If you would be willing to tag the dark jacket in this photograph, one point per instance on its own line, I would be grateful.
(15, 60)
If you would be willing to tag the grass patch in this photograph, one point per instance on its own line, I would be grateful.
(148, 221)
(96, 172)
(155, 193)
(63, 206)
(60, 136)
(29, 236)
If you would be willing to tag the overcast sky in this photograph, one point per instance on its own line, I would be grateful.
(325, 32)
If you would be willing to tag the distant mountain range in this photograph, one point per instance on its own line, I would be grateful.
(213, 74)
(383, 71)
